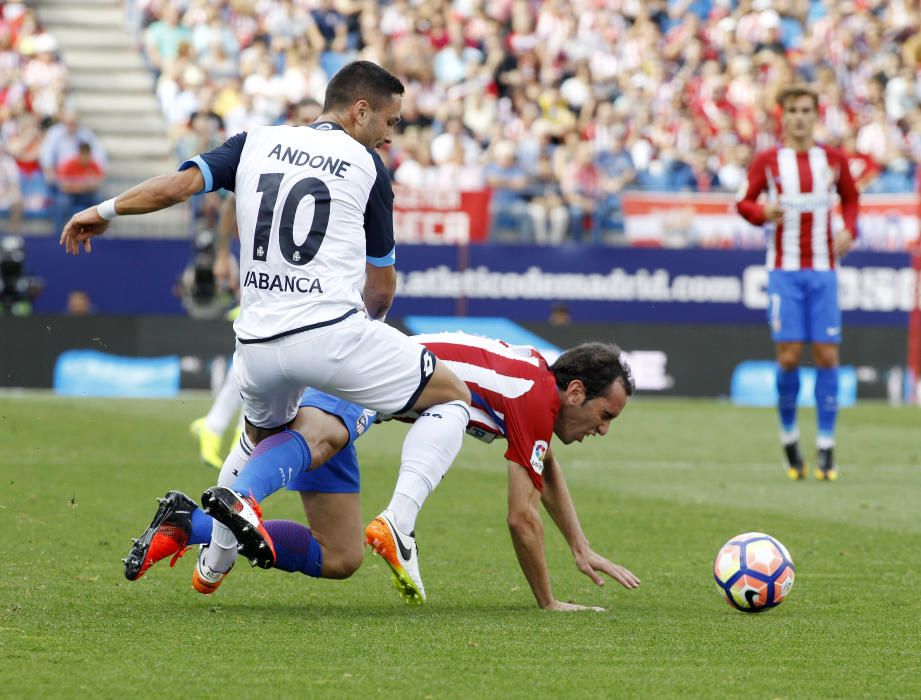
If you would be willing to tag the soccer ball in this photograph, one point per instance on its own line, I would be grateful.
(754, 572)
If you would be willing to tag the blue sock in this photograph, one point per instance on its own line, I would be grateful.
(787, 391)
(275, 461)
(826, 403)
(201, 527)
(295, 548)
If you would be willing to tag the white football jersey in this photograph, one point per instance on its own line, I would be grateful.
(313, 207)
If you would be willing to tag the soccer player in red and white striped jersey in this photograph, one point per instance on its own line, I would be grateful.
(802, 181)
(517, 396)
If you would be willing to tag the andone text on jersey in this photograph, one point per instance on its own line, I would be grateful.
(294, 156)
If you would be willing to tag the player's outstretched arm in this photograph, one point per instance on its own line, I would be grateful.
(151, 195)
(527, 532)
(558, 502)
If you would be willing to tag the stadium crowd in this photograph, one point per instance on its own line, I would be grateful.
(559, 105)
(49, 162)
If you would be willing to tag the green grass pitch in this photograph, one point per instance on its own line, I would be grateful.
(660, 494)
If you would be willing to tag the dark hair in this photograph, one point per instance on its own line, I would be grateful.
(596, 365)
(361, 80)
(797, 90)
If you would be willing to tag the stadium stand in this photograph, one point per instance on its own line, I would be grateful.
(90, 67)
(667, 95)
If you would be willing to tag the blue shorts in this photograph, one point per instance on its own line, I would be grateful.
(340, 474)
(803, 306)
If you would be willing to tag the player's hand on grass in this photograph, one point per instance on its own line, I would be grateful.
(80, 229)
(593, 565)
(560, 606)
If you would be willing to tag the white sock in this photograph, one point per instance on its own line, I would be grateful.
(236, 460)
(222, 551)
(824, 442)
(428, 451)
(226, 405)
(788, 438)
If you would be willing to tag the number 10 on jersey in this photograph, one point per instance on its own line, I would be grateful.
(302, 254)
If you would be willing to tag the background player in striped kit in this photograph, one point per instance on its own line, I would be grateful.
(801, 179)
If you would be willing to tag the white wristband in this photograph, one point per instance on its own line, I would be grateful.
(107, 209)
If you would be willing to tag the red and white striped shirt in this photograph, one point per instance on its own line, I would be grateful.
(514, 393)
(803, 184)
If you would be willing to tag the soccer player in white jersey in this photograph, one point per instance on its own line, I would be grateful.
(315, 215)
(516, 396)
(801, 180)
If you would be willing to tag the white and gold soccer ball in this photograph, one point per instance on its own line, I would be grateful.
(754, 572)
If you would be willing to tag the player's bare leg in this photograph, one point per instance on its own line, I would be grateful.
(788, 360)
(335, 522)
(826, 359)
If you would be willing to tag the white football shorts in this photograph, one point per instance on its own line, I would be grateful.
(363, 361)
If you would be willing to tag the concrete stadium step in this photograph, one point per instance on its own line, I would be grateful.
(110, 122)
(90, 59)
(101, 39)
(83, 3)
(82, 14)
(111, 81)
(112, 88)
(125, 172)
(126, 105)
(136, 146)
(120, 82)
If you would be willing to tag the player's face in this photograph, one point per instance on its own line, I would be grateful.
(579, 419)
(374, 127)
(799, 117)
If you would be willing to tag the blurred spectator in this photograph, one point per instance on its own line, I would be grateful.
(581, 190)
(863, 168)
(457, 174)
(79, 303)
(32, 84)
(10, 191)
(454, 132)
(78, 180)
(509, 184)
(17, 289)
(45, 75)
(198, 288)
(549, 216)
(267, 90)
(305, 112)
(731, 173)
(62, 143)
(165, 36)
(616, 171)
(416, 169)
(23, 141)
(204, 135)
(559, 315)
